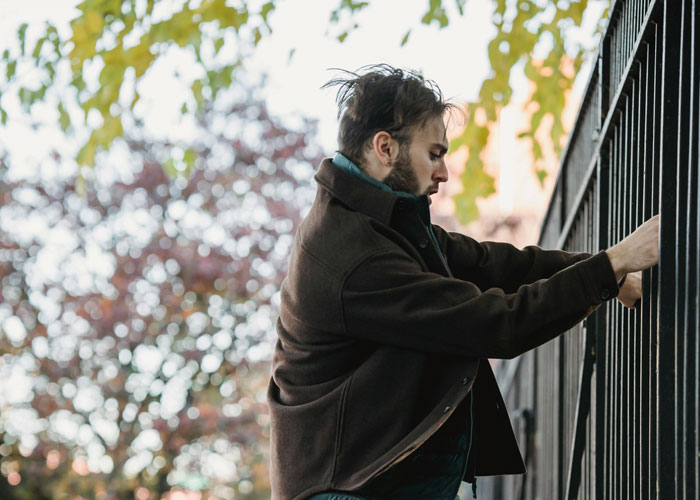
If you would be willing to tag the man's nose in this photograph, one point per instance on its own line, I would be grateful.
(441, 174)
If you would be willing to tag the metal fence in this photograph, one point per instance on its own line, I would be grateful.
(611, 409)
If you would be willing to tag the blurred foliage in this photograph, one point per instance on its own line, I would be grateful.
(136, 320)
(119, 40)
(515, 43)
(521, 26)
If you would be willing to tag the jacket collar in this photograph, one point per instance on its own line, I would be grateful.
(347, 182)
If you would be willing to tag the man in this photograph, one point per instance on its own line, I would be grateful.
(380, 385)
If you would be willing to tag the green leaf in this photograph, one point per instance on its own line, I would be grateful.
(3, 116)
(197, 87)
(25, 96)
(460, 6)
(220, 79)
(21, 34)
(63, 117)
(86, 155)
(53, 37)
(218, 43)
(110, 74)
(189, 158)
(169, 168)
(110, 130)
(266, 9)
(39, 94)
(11, 68)
(436, 13)
(257, 36)
(352, 5)
(405, 38)
(37, 48)
(80, 184)
(50, 69)
(139, 57)
(541, 176)
(78, 83)
(342, 36)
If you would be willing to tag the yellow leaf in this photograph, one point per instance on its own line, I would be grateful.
(94, 22)
(86, 155)
(80, 185)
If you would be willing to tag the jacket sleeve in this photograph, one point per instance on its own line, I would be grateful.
(502, 265)
(389, 299)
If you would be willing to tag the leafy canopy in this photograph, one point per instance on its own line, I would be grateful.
(124, 38)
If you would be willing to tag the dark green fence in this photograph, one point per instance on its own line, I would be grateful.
(611, 409)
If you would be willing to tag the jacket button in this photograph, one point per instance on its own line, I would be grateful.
(447, 408)
(605, 294)
(423, 243)
(465, 380)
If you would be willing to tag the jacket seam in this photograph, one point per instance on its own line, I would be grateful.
(330, 272)
(365, 227)
(314, 257)
(347, 275)
(339, 426)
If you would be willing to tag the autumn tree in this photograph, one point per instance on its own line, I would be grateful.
(137, 318)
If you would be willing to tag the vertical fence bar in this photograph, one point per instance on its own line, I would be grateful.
(651, 278)
(687, 201)
(666, 401)
(694, 247)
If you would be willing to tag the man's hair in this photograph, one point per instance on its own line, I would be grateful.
(383, 98)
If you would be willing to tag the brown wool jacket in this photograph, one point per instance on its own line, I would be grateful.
(379, 340)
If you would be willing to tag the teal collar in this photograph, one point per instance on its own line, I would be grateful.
(420, 200)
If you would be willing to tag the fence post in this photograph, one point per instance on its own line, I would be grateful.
(667, 468)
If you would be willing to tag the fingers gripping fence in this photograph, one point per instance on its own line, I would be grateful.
(611, 409)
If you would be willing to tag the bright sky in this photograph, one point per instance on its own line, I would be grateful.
(454, 57)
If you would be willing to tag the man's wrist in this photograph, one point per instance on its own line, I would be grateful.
(616, 262)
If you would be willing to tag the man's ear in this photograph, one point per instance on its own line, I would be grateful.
(385, 150)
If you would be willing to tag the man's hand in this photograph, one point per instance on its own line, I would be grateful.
(631, 290)
(639, 251)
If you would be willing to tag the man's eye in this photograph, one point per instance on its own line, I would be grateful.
(434, 157)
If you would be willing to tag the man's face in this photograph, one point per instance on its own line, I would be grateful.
(420, 167)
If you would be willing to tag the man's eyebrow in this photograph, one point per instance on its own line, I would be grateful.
(441, 147)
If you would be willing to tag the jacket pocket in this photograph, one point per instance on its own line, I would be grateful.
(339, 423)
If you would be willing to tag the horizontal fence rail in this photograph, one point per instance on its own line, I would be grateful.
(611, 409)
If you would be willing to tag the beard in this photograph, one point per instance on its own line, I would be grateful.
(403, 176)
